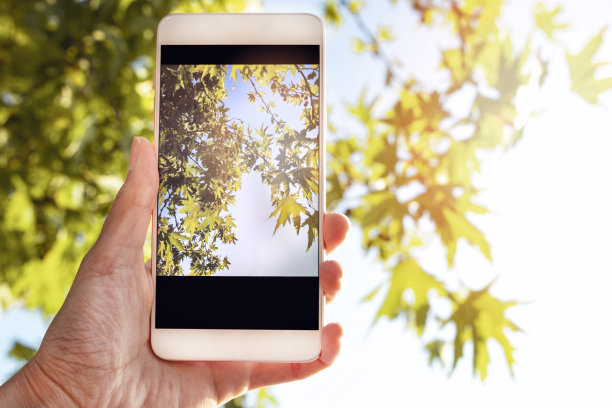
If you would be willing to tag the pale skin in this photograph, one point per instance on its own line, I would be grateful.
(97, 352)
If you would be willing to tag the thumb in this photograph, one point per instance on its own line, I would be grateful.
(127, 223)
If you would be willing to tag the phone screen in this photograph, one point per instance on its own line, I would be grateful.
(238, 207)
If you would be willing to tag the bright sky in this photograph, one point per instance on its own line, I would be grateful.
(549, 231)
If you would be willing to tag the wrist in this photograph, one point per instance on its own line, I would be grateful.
(32, 387)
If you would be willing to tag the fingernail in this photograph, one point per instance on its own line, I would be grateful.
(135, 152)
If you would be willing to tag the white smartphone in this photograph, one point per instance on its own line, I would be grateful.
(237, 237)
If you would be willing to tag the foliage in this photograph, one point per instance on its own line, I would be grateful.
(76, 86)
(204, 153)
(413, 164)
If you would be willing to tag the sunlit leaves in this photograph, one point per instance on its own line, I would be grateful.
(410, 170)
(19, 214)
(582, 71)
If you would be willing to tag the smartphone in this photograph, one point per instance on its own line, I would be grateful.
(237, 238)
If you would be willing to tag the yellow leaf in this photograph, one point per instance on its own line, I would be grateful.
(358, 45)
(287, 209)
(545, 19)
(481, 317)
(177, 244)
(461, 227)
(331, 13)
(385, 33)
(582, 71)
(355, 6)
(408, 275)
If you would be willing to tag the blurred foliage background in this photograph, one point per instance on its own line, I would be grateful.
(76, 85)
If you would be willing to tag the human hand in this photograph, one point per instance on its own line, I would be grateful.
(97, 350)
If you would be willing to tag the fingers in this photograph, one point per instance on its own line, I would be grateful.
(335, 227)
(128, 221)
(330, 276)
(265, 374)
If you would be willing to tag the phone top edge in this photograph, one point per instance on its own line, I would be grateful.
(240, 28)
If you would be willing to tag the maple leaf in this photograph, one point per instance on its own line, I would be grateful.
(408, 275)
(312, 222)
(435, 350)
(286, 209)
(582, 71)
(479, 318)
(545, 19)
(174, 240)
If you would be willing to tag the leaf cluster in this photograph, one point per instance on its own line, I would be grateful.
(76, 85)
(412, 167)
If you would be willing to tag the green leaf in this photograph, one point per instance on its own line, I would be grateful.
(582, 71)
(408, 275)
(461, 227)
(480, 318)
(434, 348)
(331, 13)
(312, 222)
(286, 209)
(179, 236)
(174, 241)
(21, 352)
(233, 73)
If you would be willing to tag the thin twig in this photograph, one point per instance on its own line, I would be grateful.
(377, 49)
(279, 123)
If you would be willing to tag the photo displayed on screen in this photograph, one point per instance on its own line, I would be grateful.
(238, 167)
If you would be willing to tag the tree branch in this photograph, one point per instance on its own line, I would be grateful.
(376, 47)
(312, 96)
(272, 115)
